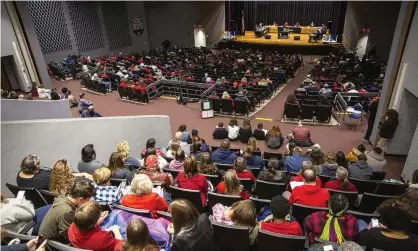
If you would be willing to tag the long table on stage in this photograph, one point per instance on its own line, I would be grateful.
(298, 30)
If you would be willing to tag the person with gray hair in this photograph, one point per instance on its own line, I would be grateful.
(310, 194)
(142, 197)
(350, 246)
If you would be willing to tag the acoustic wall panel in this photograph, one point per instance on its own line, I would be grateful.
(51, 28)
(117, 25)
(86, 25)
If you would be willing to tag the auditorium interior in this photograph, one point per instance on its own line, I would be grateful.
(75, 73)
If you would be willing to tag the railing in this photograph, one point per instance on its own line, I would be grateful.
(189, 90)
(341, 105)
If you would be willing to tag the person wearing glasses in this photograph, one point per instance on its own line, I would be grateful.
(32, 175)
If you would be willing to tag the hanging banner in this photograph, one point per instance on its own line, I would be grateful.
(138, 26)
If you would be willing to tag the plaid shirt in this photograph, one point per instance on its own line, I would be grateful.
(314, 224)
(107, 194)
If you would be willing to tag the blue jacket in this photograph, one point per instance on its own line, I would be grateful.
(294, 163)
(255, 162)
(223, 157)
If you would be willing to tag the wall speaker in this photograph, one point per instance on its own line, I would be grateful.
(296, 37)
(267, 36)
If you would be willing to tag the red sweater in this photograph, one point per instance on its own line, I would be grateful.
(288, 228)
(95, 239)
(197, 182)
(336, 185)
(310, 196)
(246, 175)
(152, 202)
(299, 177)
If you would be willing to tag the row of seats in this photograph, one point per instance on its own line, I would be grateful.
(132, 94)
(320, 113)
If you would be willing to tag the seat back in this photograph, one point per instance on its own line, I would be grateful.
(48, 196)
(291, 111)
(216, 105)
(268, 241)
(241, 107)
(267, 190)
(116, 182)
(301, 211)
(269, 155)
(165, 215)
(227, 106)
(130, 93)
(325, 178)
(226, 200)
(57, 246)
(323, 113)
(224, 167)
(214, 179)
(414, 227)
(231, 238)
(247, 183)
(308, 111)
(363, 216)
(371, 201)
(378, 175)
(351, 196)
(192, 195)
(364, 186)
(260, 203)
(122, 91)
(141, 212)
(31, 194)
(387, 188)
(174, 173)
(310, 102)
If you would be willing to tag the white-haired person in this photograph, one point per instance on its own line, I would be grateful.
(142, 197)
(123, 148)
(90, 113)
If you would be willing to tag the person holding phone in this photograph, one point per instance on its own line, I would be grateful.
(390, 233)
(36, 244)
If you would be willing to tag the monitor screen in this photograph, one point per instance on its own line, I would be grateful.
(206, 105)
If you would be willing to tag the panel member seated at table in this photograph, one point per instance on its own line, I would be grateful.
(297, 25)
(285, 25)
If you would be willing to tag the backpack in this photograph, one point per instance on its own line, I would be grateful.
(264, 212)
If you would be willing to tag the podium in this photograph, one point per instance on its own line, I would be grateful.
(206, 108)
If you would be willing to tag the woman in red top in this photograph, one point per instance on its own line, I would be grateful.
(86, 233)
(231, 186)
(142, 196)
(341, 183)
(190, 179)
(240, 167)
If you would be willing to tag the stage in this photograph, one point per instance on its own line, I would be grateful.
(301, 46)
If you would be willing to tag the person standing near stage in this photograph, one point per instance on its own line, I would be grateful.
(371, 118)
(388, 128)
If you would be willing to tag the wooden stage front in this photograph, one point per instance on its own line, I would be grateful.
(290, 45)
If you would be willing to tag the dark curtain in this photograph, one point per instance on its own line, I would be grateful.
(304, 12)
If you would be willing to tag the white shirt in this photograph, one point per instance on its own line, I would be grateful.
(233, 132)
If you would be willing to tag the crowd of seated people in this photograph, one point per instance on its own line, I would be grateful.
(250, 73)
(342, 72)
(76, 213)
